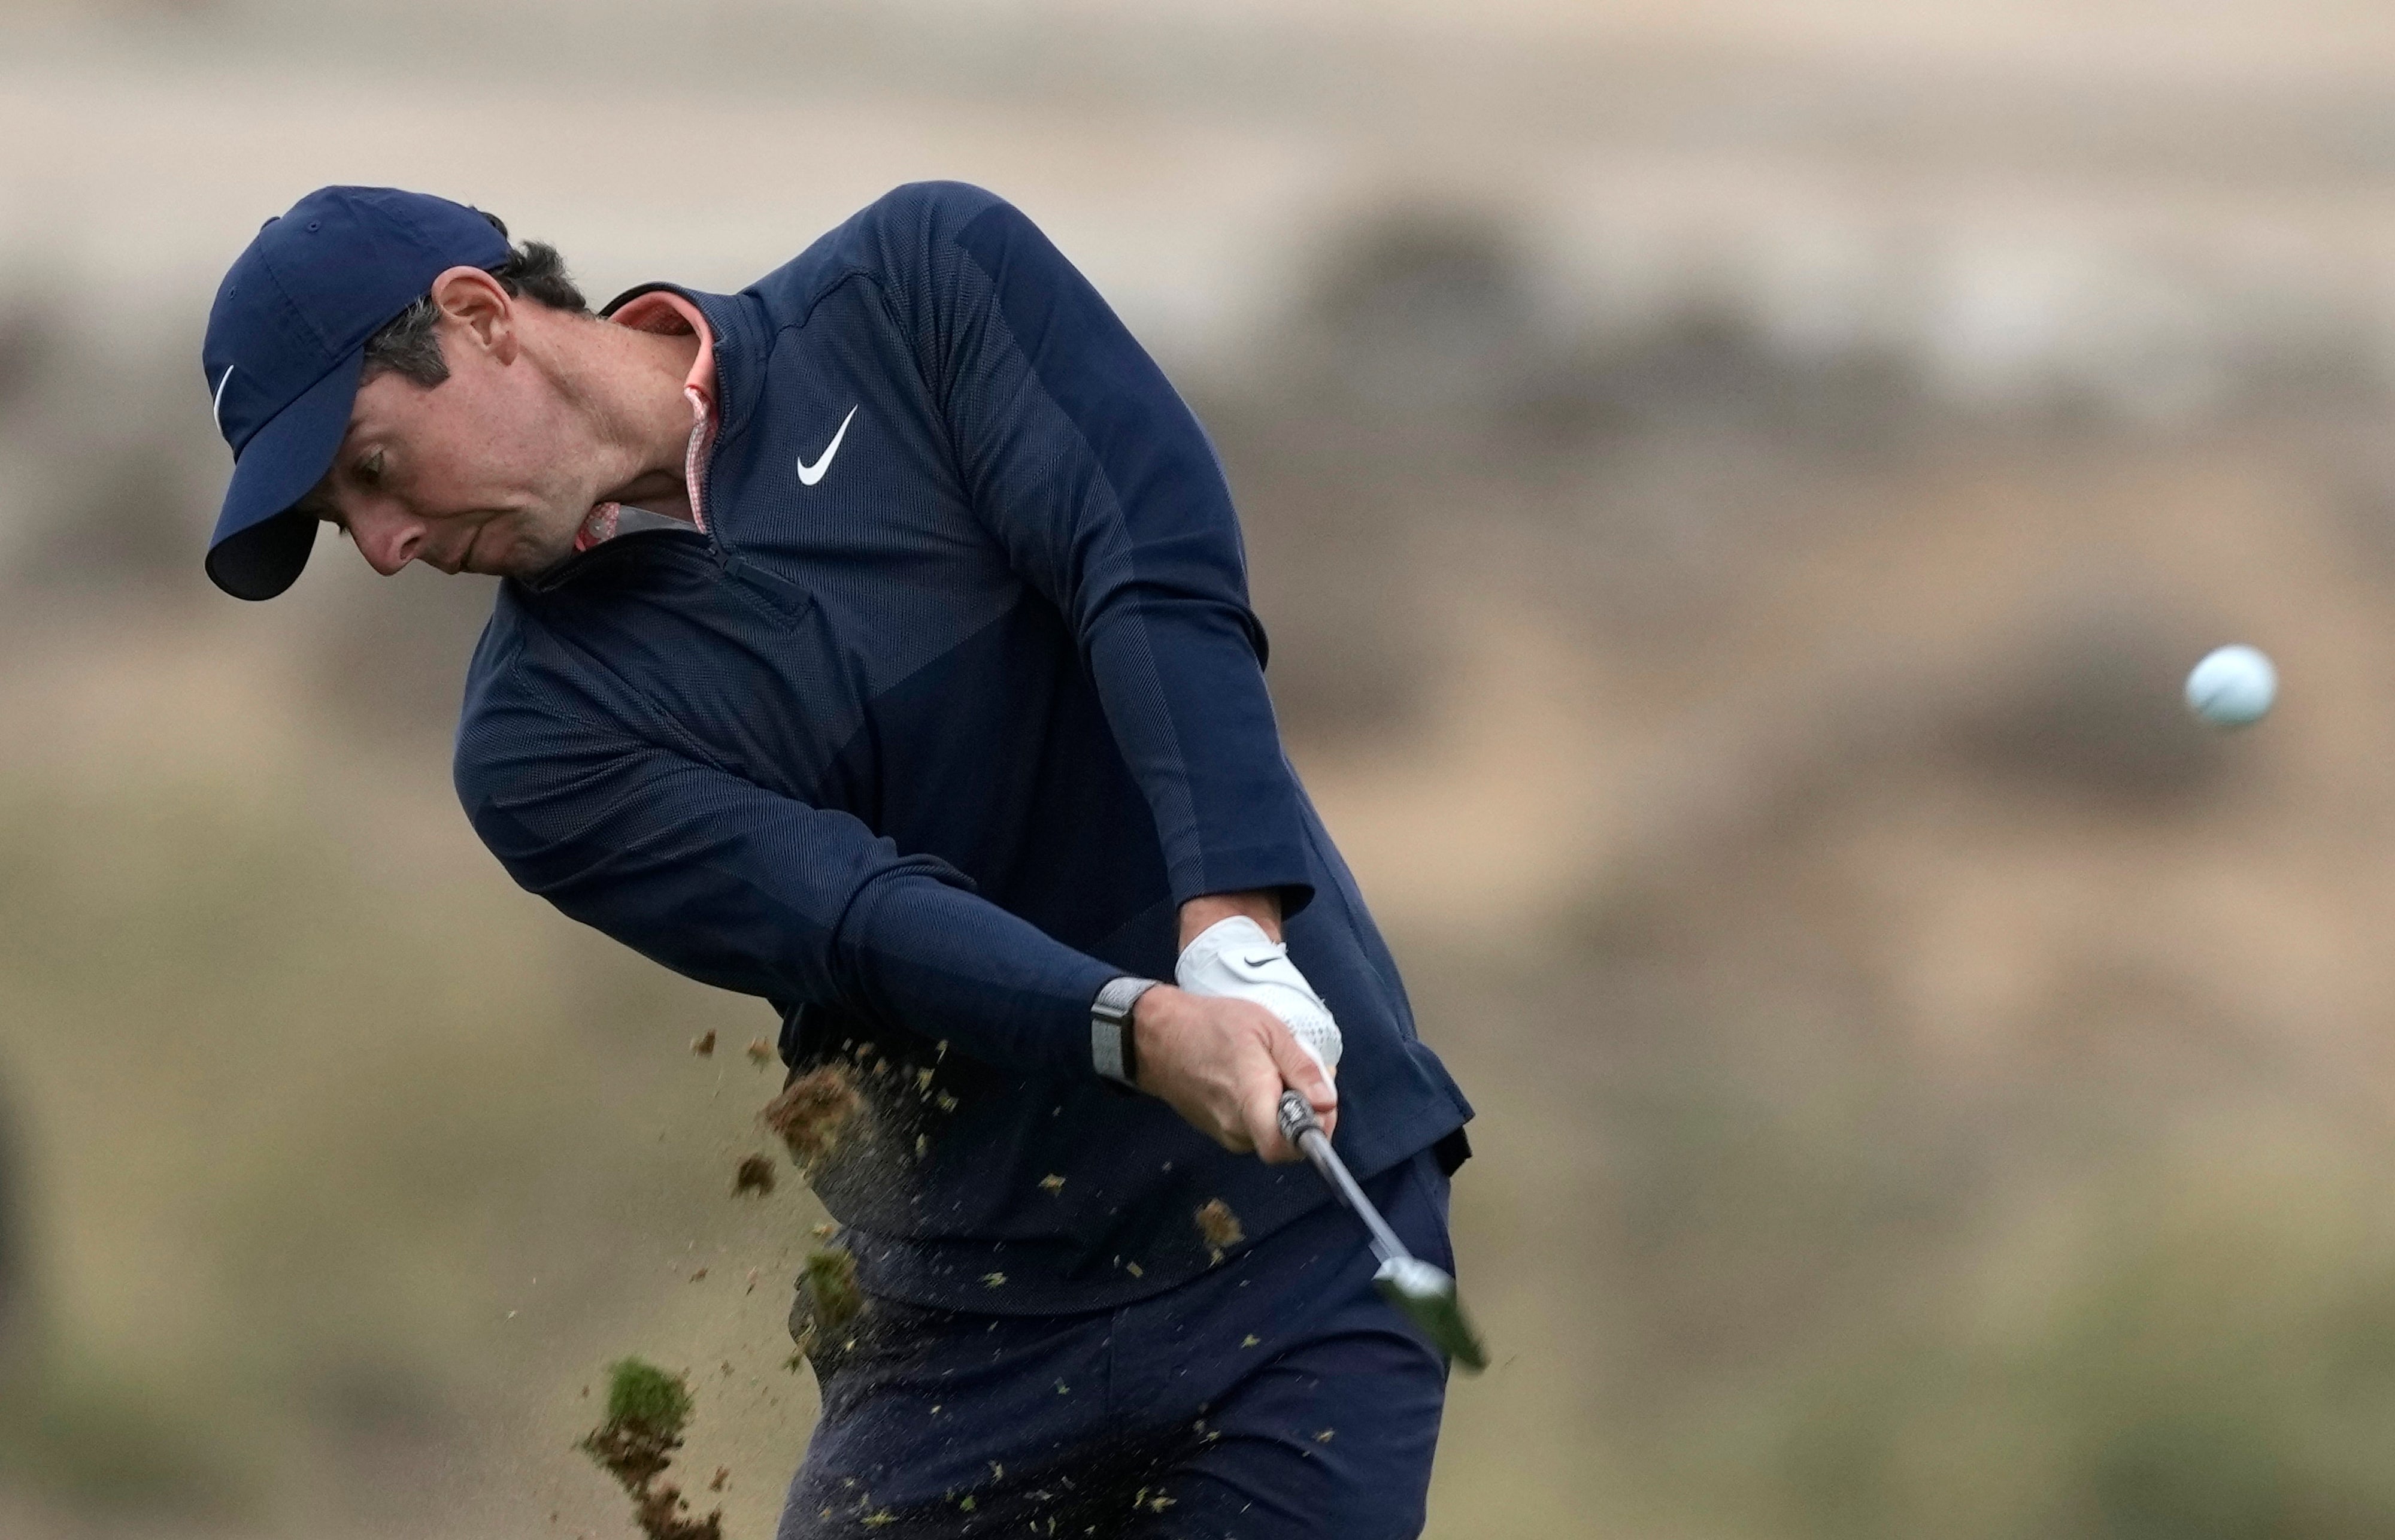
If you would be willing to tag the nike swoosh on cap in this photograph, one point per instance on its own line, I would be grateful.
(810, 474)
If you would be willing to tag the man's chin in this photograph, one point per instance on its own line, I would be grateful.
(523, 564)
(499, 556)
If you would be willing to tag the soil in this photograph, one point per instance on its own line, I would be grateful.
(754, 1174)
(704, 1044)
(647, 1410)
(1219, 1225)
(813, 1111)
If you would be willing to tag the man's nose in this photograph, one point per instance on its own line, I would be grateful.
(386, 537)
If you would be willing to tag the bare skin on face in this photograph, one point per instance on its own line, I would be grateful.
(545, 415)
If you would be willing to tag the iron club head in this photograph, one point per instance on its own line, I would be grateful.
(1425, 1295)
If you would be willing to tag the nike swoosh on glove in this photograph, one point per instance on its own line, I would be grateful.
(1236, 959)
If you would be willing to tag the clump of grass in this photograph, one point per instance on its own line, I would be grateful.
(647, 1411)
(829, 1278)
(827, 1282)
(642, 1395)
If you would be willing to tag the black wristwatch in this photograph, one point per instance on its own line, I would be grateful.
(1111, 1049)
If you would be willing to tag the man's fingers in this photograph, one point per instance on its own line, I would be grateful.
(1223, 1065)
(1302, 1071)
(1260, 1109)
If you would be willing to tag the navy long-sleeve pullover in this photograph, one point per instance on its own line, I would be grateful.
(926, 745)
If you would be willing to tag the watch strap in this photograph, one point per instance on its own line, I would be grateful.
(1111, 1049)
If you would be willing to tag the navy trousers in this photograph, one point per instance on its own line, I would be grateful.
(1276, 1396)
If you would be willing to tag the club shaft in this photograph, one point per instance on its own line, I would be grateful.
(1316, 1145)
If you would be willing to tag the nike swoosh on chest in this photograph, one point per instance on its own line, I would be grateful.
(810, 474)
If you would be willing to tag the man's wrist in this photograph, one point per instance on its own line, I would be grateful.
(1113, 1050)
(1202, 912)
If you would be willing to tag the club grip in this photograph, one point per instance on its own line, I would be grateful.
(1297, 1116)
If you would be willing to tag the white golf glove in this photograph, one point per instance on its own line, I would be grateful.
(1233, 958)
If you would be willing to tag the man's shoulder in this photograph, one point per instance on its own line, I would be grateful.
(494, 679)
(535, 705)
(897, 238)
(549, 644)
(944, 205)
(516, 674)
(602, 655)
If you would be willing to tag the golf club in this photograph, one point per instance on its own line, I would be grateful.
(1422, 1293)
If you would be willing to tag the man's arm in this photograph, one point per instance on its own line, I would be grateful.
(740, 888)
(1098, 482)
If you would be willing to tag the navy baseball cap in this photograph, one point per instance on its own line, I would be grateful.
(286, 337)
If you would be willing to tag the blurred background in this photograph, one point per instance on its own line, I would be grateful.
(1735, 485)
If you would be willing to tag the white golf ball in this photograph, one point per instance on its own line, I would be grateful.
(2232, 687)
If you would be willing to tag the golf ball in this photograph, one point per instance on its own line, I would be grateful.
(2232, 687)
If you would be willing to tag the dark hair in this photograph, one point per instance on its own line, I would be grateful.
(409, 343)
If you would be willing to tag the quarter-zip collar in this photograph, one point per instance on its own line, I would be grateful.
(737, 338)
(665, 311)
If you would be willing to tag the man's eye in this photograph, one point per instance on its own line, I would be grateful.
(370, 467)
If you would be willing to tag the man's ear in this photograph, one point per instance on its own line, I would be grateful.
(472, 302)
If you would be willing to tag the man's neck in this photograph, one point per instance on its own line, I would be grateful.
(629, 385)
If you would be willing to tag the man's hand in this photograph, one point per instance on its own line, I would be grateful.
(1235, 960)
(1222, 1063)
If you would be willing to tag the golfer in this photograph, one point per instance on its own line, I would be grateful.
(874, 641)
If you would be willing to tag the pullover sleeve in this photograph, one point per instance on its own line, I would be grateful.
(737, 886)
(1095, 478)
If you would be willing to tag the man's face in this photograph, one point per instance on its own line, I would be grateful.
(478, 473)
